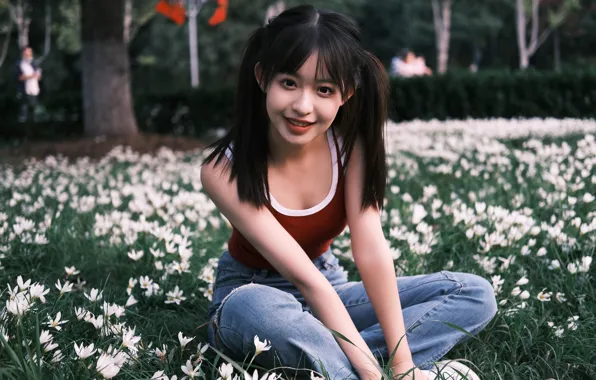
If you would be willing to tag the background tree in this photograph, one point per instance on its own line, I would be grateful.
(442, 24)
(6, 26)
(107, 100)
(556, 16)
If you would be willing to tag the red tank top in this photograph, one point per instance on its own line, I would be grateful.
(313, 229)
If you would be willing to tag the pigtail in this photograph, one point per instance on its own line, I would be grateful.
(370, 115)
(244, 140)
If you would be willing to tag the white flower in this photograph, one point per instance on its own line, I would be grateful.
(541, 252)
(95, 295)
(66, 288)
(585, 265)
(145, 282)
(71, 271)
(161, 353)
(56, 322)
(261, 346)
(588, 198)
(555, 264)
(516, 291)
(106, 366)
(226, 370)
(58, 356)
(480, 207)
(80, 313)
(130, 341)
(45, 337)
(544, 297)
(522, 281)
(136, 255)
(23, 285)
(572, 325)
(175, 296)
(130, 301)
(38, 291)
(159, 375)
(84, 352)
(418, 213)
(524, 295)
(560, 297)
(255, 376)
(189, 370)
(184, 340)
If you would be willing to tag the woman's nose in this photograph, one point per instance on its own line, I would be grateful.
(303, 104)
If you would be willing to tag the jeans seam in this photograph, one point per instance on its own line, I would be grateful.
(473, 332)
(364, 301)
(482, 326)
(439, 304)
(216, 322)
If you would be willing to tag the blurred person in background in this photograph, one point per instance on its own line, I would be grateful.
(28, 77)
(406, 64)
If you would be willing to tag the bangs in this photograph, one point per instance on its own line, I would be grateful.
(294, 45)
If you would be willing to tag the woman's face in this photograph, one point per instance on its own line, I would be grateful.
(301, 106)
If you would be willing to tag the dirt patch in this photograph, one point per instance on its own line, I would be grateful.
(95, 147)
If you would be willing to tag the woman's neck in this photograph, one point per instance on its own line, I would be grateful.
(281, 153)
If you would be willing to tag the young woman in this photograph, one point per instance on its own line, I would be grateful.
(304, 159)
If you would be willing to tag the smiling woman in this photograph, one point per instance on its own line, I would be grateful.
(305, 159)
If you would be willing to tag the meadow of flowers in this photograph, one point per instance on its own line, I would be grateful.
(107, 266)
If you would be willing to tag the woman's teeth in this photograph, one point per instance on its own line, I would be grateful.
(298, 123)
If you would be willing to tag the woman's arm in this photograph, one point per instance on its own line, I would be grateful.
(280, 249)
(374, 262)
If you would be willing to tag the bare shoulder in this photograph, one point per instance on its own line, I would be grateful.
(214, 173)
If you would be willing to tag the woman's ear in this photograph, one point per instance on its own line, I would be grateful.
(259, 76)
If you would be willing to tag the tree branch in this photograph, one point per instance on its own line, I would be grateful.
(6, 42)
(537, 43)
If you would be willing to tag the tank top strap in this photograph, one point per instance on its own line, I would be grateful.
(340, 158)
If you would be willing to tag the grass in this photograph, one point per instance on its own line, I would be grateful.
(92, 214)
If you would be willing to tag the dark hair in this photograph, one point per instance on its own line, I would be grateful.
(283, 46)
(403, 53)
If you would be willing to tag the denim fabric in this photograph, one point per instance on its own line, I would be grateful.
(248, 302)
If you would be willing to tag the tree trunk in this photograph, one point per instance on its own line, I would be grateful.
(524, 59)
(6, 42)
(442, 24)
(127, 20)
(19, 13)
(107, 100)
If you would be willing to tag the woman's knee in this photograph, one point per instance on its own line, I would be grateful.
(481, 294)
(251, 303)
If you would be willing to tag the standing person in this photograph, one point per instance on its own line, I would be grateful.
(304, 159)
(28, 76)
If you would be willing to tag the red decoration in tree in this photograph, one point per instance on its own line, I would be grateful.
(173, 10)
(220, 14)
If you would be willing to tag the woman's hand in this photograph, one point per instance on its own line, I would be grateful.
(402, 368)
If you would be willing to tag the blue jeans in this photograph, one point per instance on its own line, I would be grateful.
(248, 302)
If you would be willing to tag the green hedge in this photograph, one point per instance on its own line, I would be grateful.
(495, 94)
(453, 96)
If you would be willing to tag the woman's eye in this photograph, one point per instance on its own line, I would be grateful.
(326, 90)
(288, 83)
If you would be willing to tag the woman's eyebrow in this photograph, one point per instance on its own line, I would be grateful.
(318, 80)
